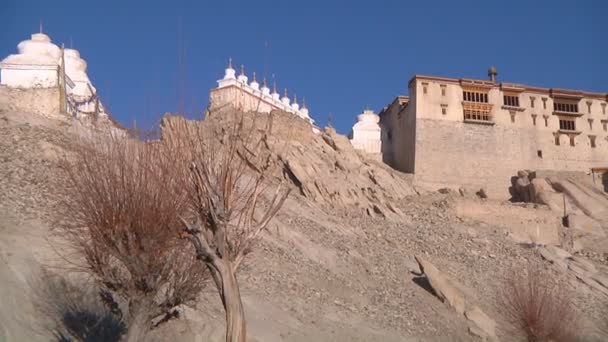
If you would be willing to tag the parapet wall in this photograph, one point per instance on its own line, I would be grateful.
(42, 101)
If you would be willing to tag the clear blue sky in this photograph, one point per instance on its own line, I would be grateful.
(341, 55)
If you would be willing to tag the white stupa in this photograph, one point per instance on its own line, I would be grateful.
(34, 66)
(366, 134)
(39, 64)
(76, 70)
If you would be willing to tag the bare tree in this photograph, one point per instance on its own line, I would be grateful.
(231, 196)
(120, 212)
(537, 310)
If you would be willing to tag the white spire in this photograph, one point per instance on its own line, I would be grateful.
(265, 89)
(304, 109)
(275, 94)
(242, 77)
(229, 72)
(285, 98)
(254, 83)
(295, 106)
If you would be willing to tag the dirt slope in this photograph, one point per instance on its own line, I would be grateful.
(330, 268)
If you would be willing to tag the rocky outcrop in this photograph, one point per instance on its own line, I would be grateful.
(324, 168)
(579, 267)
(583, 206)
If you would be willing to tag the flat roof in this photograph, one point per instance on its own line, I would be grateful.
(554, 92)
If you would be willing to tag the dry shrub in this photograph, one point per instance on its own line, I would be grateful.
(120, 212)
(537, 309)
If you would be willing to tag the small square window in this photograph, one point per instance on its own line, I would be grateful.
(539, 153)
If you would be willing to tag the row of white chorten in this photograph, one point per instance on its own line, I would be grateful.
(263, 92)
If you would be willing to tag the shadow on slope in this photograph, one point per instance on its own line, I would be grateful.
(74, 310)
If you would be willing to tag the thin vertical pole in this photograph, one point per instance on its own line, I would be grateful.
(62, 85)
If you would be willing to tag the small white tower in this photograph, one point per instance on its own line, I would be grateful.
(366, 134)
(242, 77)
(285, 99)
(265, 89)
(304, 109)
(295, 106)
(254, 83)
(275, 94)
(229, 76)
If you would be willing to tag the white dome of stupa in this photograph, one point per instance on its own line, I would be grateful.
(368, 119)
(39, 50)
(76, 69)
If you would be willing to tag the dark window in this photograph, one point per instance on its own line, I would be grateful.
(532, 98)
(544, 102)
(471, 96)
(534, 120)
(565, 107)
(557, 139)
(476, 115)
(512, 101)
(572, 140)
(592, 141)
(442, 90)
(567, 125)
(539, 153)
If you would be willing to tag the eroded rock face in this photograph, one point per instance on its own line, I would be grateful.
(325, 168)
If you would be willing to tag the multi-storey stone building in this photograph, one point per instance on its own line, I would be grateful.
(452, 132)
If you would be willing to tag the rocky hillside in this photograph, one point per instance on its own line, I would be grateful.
(356, 254)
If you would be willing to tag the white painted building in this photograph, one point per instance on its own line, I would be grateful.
(366, 133)
(34, 66)
(39, 63)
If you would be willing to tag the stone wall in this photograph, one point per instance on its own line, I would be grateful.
(457, 153)
(42, 101)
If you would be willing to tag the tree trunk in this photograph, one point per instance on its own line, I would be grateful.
(231, 298)
(139, 322)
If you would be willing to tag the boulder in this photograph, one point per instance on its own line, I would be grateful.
(442, 285)
(482, 321)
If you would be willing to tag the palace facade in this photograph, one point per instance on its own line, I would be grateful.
(455, 132)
